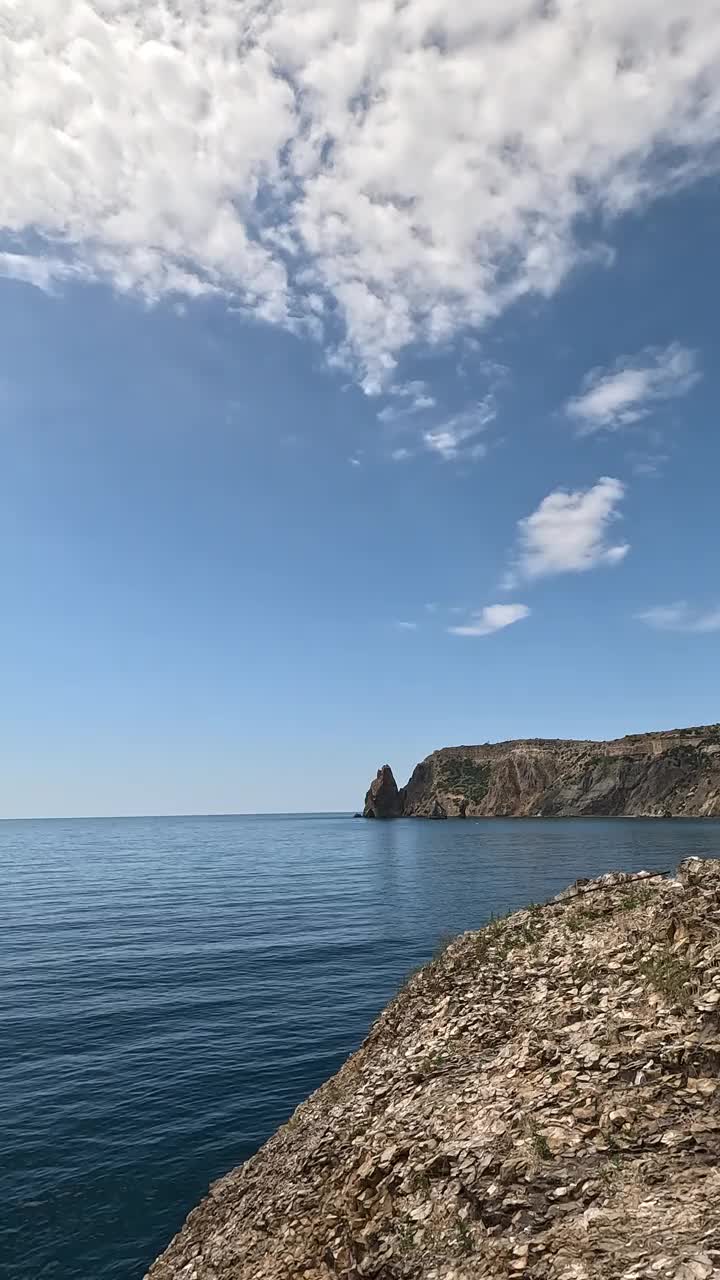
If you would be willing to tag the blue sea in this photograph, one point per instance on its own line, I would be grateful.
(172, 987)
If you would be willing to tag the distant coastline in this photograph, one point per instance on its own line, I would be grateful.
(668, 774)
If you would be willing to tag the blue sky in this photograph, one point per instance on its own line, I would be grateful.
(313, 457)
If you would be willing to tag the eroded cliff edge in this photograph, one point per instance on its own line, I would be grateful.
(542, 1100)
(665, 774)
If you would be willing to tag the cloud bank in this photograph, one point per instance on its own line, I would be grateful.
(377, 174)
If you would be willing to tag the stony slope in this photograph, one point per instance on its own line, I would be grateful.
(672, 774)
(543, 1100)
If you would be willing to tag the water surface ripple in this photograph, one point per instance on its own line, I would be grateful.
(173, 987)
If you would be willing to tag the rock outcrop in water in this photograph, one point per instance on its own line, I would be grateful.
(673, 774)
(542, 1101)
(383, 798)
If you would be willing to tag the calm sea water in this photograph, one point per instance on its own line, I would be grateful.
(173, 987)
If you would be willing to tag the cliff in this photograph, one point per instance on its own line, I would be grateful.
(542, 1100)
(672, 774)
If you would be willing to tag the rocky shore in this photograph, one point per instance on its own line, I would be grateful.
(672, 774)
(541, 1100)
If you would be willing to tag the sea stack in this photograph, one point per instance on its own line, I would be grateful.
(383, 800)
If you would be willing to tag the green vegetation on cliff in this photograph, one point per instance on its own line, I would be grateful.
(466, 777)
(669, 774)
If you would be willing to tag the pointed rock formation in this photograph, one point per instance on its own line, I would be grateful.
(383, 799)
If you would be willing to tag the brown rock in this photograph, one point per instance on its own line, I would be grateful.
(505, 1117)
(665, 774)
(383, 799)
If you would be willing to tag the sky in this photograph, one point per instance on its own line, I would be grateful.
(359, 385)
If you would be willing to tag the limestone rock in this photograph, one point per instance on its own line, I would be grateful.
(542, 1100)
(383, 798)
(670, 774)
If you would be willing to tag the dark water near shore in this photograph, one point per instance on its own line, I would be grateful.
(172, 987)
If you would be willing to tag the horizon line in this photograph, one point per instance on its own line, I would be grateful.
(116, 817)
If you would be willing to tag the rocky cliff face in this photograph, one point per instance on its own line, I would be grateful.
(542, 1100)
(672, 774)
(383, 798)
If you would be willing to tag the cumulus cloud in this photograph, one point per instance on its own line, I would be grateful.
(681, 617)
(494, 617)
(380, 174)
(568, 533)
(626, 393)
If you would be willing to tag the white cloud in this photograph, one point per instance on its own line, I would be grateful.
(494, 617)
(415, 398)
(43, 273)
(458, 436)
(379, 173)
(626, 393)
(568, 533)
(445, 443)
(681, 617)
(406, 626)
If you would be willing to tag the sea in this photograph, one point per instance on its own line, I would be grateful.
(171, 988)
